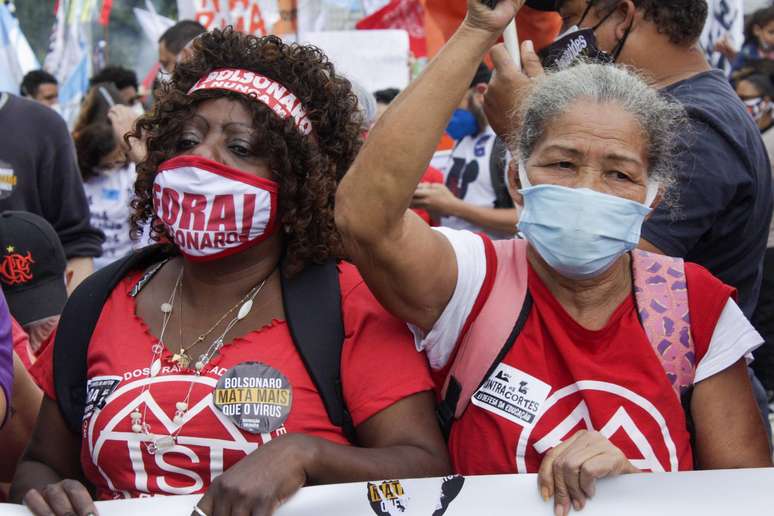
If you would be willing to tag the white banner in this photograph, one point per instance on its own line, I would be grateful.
(709, 493)
(252, 16)
(376, 59)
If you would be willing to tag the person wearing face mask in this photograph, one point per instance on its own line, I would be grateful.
(725, 210)
(569, 354)
(474, 195)
(238, 358)
(757, 91)
(723, 177)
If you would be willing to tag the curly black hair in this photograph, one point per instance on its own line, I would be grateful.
(681, 20)
(307, 168)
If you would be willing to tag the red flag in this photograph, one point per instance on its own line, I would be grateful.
(107, 6)
(408, 15)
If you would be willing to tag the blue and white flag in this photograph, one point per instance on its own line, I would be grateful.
(16, 56)
(69, 53)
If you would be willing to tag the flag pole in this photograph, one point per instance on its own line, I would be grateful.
(511, 39)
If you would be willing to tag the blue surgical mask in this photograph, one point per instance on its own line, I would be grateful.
(579, 232)
(463, 123)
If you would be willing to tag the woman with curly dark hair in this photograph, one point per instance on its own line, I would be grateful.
(199, 375)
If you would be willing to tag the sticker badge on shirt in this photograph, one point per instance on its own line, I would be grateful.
(512, 394)
(97, 391)
(8, 180)
(255, 397)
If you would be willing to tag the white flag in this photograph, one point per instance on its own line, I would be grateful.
(16, 56)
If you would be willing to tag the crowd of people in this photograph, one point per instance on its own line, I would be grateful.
(251, 279)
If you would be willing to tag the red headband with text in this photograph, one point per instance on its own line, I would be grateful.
(277, 97)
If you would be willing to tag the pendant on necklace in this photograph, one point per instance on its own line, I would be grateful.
(182, 359)
(161, 444)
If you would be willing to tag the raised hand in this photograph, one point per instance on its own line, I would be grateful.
(509, 86)
(491, 19)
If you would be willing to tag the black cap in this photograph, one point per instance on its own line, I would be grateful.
(483, 76)
(32, 267)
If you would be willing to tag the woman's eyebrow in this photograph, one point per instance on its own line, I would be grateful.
(197, 119)
(240, 124)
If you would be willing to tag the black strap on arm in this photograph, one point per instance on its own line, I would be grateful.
(448, 406)
(497, 161)
(76, 327)
(312, 301)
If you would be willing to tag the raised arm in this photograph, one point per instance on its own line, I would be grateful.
(408, 266)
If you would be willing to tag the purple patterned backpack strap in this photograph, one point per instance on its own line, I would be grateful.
(660, 289)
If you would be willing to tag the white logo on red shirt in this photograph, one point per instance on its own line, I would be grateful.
(620, 420)
(165, 472)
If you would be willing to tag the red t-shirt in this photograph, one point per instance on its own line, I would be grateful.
(21, 344)
(432, 175)
(380, 366)
(560, 377)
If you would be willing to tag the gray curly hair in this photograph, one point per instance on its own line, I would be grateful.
(661, 119)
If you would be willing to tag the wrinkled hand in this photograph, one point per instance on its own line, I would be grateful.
(569, 471)
(65, 498)
(262, 481)
(509, 87)
(494, 20)
(123, 119)
(435, 198)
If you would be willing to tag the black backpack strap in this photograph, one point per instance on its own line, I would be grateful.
(76, 327)
(448, 406)
(497, 170)
(312, 301)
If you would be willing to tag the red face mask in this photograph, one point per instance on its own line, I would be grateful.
(212, 210)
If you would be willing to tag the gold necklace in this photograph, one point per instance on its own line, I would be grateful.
(182, 358)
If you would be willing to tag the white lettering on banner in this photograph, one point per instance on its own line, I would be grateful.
(198, 450)
(620, 420)
(512, 394)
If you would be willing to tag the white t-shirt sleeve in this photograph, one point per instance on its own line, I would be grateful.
(734, 337)
(440, 342)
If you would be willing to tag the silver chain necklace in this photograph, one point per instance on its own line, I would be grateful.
(156, 443)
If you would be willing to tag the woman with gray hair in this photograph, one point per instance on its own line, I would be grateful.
(569, 353)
